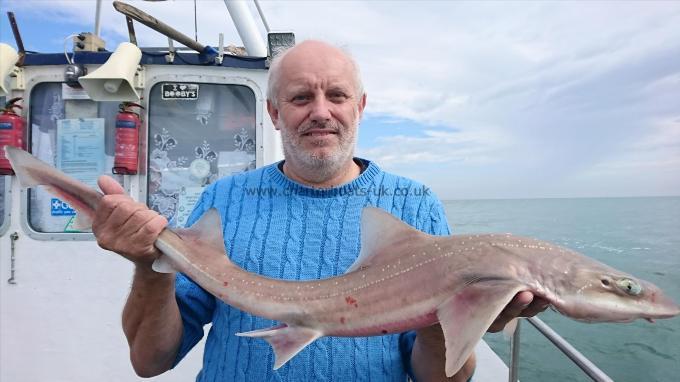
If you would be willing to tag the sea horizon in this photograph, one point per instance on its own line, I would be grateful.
(559, 197)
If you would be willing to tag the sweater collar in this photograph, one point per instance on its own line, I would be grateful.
(362, 182)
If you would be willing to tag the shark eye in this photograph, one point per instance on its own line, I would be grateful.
(629, 286)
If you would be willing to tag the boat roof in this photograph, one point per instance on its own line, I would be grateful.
(148, 58)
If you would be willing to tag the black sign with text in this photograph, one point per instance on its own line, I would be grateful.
(179, 91)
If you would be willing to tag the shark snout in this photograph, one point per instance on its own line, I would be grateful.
(672, 312)
(664, 307)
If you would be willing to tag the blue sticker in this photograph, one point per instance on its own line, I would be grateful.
(61, 208)
(125, 124)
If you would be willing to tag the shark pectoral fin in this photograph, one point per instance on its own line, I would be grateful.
(162, 265)
(467, 315)
(286, 341)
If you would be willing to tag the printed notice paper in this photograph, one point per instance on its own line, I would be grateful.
(80, 148)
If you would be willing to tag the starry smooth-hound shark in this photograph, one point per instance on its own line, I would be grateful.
(402, 280)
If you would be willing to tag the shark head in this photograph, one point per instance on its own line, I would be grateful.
(604, 294)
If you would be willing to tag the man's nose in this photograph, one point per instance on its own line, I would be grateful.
(320, 110)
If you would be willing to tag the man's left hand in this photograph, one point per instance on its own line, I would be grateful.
(524, 304)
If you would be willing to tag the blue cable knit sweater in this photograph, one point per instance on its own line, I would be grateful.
(279, 228)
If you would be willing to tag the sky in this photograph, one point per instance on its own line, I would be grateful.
(477, 100)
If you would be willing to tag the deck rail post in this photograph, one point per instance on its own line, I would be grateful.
(514, 353)
(588, 367)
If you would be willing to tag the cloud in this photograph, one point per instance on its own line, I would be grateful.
(658, 149)
(436, 147)
(557, 90)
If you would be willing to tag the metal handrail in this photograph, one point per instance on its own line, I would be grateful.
(514, 353)
(594, 372)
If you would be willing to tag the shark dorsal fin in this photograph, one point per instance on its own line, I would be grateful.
(207, 229)
(200, 247)
(379, 231)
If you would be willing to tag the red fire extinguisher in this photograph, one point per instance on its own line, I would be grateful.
(12, 127)
(127, 140)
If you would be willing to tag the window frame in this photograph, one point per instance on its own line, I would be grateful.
(7, 193)
(136, 184)
(210, 79)
(7, 215)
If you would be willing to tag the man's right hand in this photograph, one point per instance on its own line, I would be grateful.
(151, 320)
(126, 227)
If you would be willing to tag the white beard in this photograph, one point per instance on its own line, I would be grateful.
(319, 168)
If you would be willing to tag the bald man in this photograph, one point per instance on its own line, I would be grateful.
(305, 227)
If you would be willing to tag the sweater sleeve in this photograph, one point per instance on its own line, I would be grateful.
(437, 223)
(196, 306)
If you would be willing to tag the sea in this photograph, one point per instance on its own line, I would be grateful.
(640, 236)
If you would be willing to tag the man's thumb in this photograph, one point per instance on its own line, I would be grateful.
(109, 185)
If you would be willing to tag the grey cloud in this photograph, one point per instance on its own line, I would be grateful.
(551, 89)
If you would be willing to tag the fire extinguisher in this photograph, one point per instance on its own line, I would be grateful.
(12, 127)
(127, 140)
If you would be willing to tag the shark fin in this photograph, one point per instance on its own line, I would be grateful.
(198, 251)
(286, 340)
(162, 265)
(467, 315)
(380, 231)
(206, 231)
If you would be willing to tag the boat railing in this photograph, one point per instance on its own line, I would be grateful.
(588, 367)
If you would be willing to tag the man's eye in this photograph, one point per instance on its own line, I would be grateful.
(338, 96)
(301, 98)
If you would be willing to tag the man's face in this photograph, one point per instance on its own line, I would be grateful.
(317, 108)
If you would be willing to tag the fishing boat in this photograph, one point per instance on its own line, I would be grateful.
(164, 122)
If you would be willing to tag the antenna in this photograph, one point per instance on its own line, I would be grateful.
(264, 20)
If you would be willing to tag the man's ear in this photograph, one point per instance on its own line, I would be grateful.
(362, 105)
(273, 114)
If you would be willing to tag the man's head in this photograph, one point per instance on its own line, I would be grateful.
(275, 69)
(316, 99)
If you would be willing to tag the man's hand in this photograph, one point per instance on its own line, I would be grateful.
(524, 304)
(151, 320)
(126, 227)
(428, 358)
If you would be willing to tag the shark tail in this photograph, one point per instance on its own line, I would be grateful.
(23, 165)
(33, 172)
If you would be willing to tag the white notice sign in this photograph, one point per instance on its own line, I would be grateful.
(80, 148)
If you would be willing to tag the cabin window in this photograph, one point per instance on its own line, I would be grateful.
(197, 134)
(73, 134)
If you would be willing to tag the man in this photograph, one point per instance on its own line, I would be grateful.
(306, 228)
